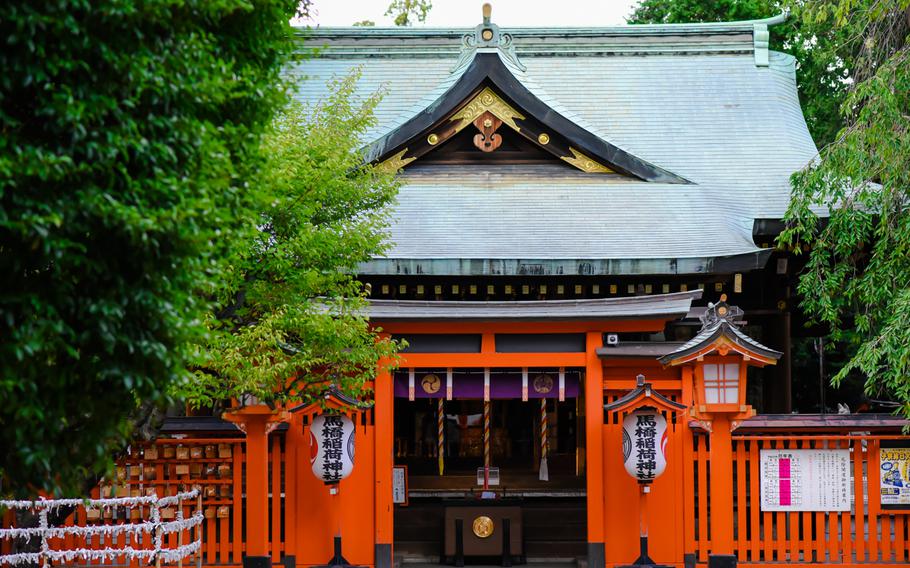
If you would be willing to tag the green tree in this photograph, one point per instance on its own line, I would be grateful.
(857, 277)
(822, 53)
(291, 315)
(129, 131)
(406, 11)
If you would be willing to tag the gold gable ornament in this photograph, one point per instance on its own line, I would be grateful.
(395, 163)
(487, 101)
(585, 163)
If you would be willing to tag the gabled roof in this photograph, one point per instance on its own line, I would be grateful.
(641, 396)
(486, 82)
(707, 102)
(335, 399)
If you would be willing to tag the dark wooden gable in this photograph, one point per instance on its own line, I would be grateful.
(489, 111)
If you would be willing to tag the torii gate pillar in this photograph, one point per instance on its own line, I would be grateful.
(257, 421)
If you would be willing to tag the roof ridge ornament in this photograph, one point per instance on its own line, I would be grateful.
(720, 334)
(761, 37)
(721, 312)
(487, 37)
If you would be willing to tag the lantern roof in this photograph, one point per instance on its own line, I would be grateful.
(335, 399)
(720, 335)
(643, 395)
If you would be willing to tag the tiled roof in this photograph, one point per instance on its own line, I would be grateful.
(689, 99)
(661, 306)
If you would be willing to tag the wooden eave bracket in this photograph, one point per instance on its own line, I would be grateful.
(700, 419)
(245, 414)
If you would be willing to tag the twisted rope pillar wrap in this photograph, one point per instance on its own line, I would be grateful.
(544, 440)
(440, 432)
(487, 449)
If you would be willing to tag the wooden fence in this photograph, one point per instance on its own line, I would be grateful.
(146, 538)
(864, 535)
(215, 466)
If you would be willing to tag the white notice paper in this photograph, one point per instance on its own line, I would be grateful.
(805, 480)
(399, 485)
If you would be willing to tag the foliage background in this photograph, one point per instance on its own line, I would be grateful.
(849, 208)
(851, 205)
(130, 130)
(291, 317)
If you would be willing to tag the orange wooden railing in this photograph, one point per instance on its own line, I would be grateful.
(864, 535)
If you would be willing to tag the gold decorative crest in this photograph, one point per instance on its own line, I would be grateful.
(543, 384)
(430, 384)
(396, 162)
(482, 527)
(487, 101)
(585, 163)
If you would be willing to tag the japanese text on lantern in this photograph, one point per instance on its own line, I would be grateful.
(645, 446)
(332, 436)
(332, 447)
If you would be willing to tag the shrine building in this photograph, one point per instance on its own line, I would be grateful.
(583, 239)
(575, 205)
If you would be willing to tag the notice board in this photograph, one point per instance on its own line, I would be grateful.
(400, 485)
(805, 480)
(894, 465)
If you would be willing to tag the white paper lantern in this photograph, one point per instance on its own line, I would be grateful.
(332, 447)
(644, 444)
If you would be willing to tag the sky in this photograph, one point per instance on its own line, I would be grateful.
(467, 13)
